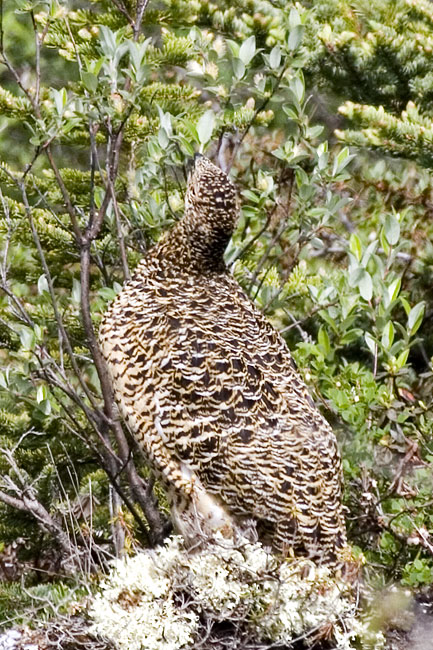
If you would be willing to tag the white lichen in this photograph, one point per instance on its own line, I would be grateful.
(135, 608)
(164, 599)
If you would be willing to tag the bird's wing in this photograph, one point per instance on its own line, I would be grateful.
(206, 383)
(215, 376)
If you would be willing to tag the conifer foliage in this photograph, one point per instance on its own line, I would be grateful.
(378, 56)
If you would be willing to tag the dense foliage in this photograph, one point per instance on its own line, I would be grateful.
(102, 104)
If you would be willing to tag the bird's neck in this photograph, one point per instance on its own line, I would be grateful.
(193, 248)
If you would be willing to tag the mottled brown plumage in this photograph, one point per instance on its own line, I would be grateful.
(209, 389)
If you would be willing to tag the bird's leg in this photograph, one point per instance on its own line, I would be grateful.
(200, 516)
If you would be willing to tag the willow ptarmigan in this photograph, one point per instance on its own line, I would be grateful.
(210, 391)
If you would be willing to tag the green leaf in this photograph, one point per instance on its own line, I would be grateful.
(108, 40)
(295, 37)
(42, 284)
(290, 112)
(3, 380)
(107, 293)
(355, 276)
(388, 335)
(233, 47)
(38, 332)
(415, 317)
(90, 81)
(392, 229)
(76, 291)
(351, 335)
(163, 138)
(317, 243)
(45, 406)
(371, 342)
(329, 320)
(247, 50)
(251, 196)
(297, 86)
(205, 127)
(355, 246)
(348, 304)
(27, 338)
(294, 18)
(406, 305)
(322, 155)
(137, 52)
(341, 161)
(41, 393)
(313, 132)
(371, 248)
(165, 121)
(323, 339)
(365, 285)
(275, 57)
(186, 145)
(394, 290)
(401, 359)
(192, 130)
(238, 68)
(383, 241)
(60, 98)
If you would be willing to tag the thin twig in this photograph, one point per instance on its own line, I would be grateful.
(37, 60)
(263, 105)
(28, 502)
(120, 237)
(63, 336)
(137, 484)
(139, 13)
(316, 309)
(257, 236)
(68, 203)
(121, 7)
(274, 240)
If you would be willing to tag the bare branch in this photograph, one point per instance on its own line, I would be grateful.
(123, 10)
(37, 60)
(95, 224)
(137, 484)
(27, 502)
(62, 332)
(140, 9)
(70, 208)
(313, 311)
(120, 237)
(276, 237)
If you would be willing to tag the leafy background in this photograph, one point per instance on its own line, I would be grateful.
(324, 111)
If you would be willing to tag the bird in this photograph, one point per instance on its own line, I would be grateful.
(210, 391)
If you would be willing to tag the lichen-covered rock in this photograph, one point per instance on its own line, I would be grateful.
(172, 598)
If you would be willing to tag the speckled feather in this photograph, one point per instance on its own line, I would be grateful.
(209, 389)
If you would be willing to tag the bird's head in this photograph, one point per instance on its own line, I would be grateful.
(211, 208)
